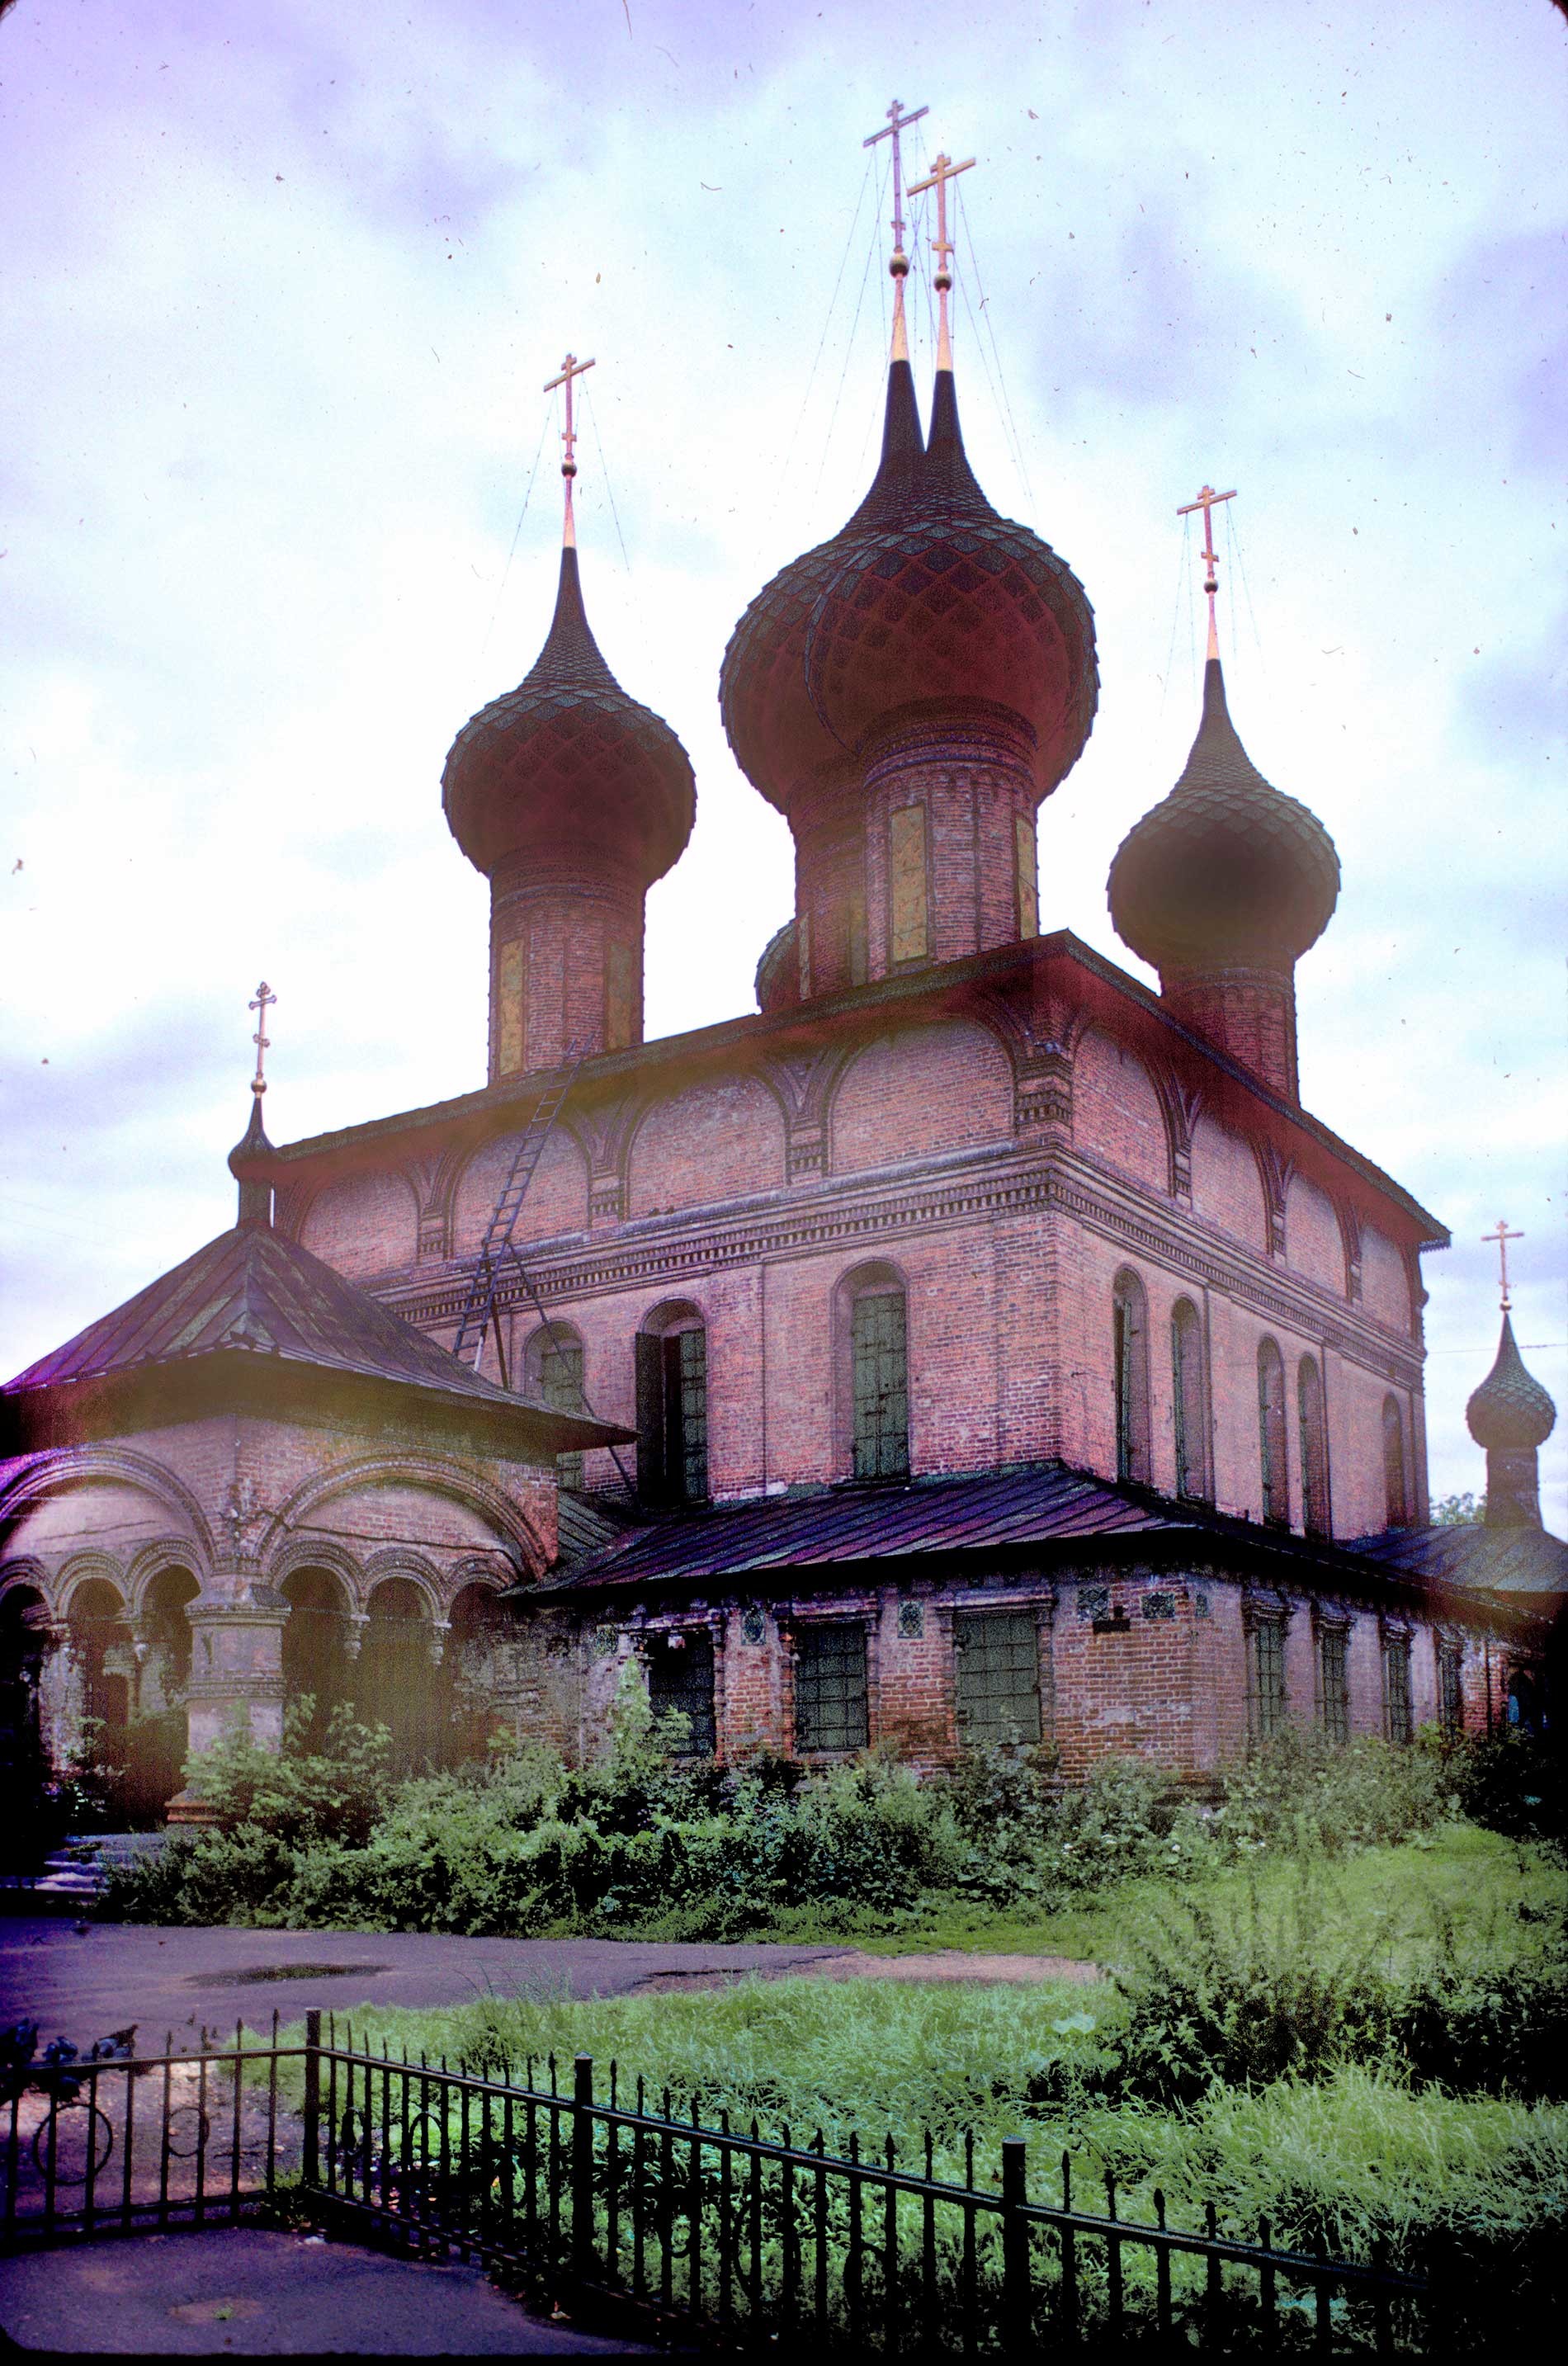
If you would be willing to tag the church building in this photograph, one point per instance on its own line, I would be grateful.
(968, 1345)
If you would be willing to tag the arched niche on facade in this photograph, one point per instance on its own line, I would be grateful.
(1117, 1112)
(1130, 1375)
(555, 1201)
(1385, 1284)
(920, 1090)
(364, 1224)
(723, 1140)
(317, 1647)
(159, 1736)
(1227, 1186)
(1315, 1244)
(400, 1681)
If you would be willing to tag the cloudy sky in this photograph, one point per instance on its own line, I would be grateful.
(280, 286)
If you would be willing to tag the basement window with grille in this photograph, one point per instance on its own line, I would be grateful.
(1398, 1723)
(1334, 1682)
(680, 1684)
(997, 1677)
(831, 1710)
(1266, 1700)
(1450, 1689)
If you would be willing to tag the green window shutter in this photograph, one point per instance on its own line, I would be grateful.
(650, 1478)
(996, 1676)
(878, 1346)
(830, 1686)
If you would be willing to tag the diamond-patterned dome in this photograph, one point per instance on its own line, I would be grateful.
(779, 738)
(943, 601)
(567, 760)
(1510, 1410)
(1226, 869)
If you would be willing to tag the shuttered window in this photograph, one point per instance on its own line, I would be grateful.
(996, 1676)
(1334, 1682)
(558, 1378)
(879, 1351)
(1265, 1673)
(829, 1687)
(1450, 1690)
(680, 1683)
(1271, 1435)
(672, 1417)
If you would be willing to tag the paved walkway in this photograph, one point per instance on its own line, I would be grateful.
(247, 2293)
(87, 1981)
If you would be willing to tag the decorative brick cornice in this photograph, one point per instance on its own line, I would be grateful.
(938, 1194)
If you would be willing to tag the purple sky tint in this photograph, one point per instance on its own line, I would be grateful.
(281, 286)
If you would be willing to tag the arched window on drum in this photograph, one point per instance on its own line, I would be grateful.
(552, 1372)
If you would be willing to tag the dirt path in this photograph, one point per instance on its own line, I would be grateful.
(87, 1982)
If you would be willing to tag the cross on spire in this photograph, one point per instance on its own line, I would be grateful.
(942, 172)
(1208, 501)
(897, 122)
(261, 1039)
(1502, 1236)
(570, 369)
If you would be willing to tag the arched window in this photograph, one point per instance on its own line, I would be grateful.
(870, 1324)
(1271, 1435)
(1191, 1401)
(552, 1372)
(478, 1656)
(100, 1643)
(673, 1406)
(1397, 1492)
(1130, 1349)
(400, 1684)
(1314, 1448)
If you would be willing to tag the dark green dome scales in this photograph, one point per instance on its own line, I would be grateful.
(1510, 1412)
(1226, 870)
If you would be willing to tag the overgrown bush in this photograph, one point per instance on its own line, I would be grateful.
(1303, 1792)
(1513, 1783)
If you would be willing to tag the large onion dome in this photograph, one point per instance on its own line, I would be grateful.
(1510, 1412)
(566, 761)
(1226, 870)
(940, 602)
(780, 740)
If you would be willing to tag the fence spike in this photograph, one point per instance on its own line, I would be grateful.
(1067, 2181)
(890, 2150)
(1110, 2195)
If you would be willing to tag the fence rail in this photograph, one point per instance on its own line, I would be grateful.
(590, 2189)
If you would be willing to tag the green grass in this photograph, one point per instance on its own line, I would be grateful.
(1460, 1874)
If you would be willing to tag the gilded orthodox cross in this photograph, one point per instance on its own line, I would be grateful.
(942, 172)
(897, 122)
(570, 369)
(261, 1039)
(1208, 501)
(1502, 1236)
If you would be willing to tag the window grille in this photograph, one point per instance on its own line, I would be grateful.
(679, 1681)
(1271, 1436)
(996, 1676)
(1191, 1402)
(1131, 1346)
(1266, 1695)
(829, 1687)
(879, 1351)
(1450, 1690)
(1334, 1682)
(1397, 1721)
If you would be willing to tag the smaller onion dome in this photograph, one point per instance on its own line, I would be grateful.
(778, 972)
(567, 759)
(251, 1164)
(943, 601)
(1226, 870)
(1510, 1412)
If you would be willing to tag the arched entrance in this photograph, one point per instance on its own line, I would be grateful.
(104, 1663)
(159, 1736)
(400, 1684)
(23, 1647)
(317, 1667)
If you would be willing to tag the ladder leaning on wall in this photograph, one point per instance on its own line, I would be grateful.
(479, 1309)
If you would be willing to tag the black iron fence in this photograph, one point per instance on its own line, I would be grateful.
(591, 2187)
